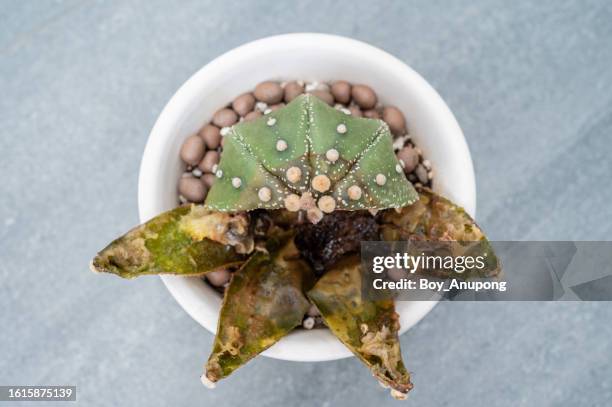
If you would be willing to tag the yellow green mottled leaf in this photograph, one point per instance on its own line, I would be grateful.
(435, 218)
(368, 328)
(186, 241)
(263, 302)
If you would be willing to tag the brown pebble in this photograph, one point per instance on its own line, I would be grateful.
(210, 159)
(218, 277)
(324, 96)
(243, 104)
(192, 189)
(313, 311)
(410, 157)
(293, 90)
(341, 90)
(269, 92)
(208, 180)
(371, 114)
(224, 117)
(355, 111)
(397, 274)
(421, 174)
(364, 96)
(276, 106)
(395, 119)
(210, 135)
(192, 150)
(252, 115)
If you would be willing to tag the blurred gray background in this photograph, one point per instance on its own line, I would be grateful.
(82, 84)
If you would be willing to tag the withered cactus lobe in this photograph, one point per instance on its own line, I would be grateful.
(262, 304)
(368, 328)
(435, 218)
(431, 217)
(181, 241)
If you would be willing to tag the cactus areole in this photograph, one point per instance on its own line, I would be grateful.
(309, 155)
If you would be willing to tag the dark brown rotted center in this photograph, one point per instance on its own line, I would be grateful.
(337, 234)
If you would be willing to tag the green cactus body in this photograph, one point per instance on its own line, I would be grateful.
(262, 304)
(435, 218)
(178, 242)
(368, 328)
(308, 147)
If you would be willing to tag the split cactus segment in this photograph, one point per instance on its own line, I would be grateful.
(309, 153)
(368, 328)
(264, 302)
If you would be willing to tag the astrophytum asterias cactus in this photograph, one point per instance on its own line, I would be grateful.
(306, 156)
(309, 155)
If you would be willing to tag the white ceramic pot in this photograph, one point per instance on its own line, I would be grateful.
(307, 57)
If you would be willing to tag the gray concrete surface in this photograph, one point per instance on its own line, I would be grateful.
(82, 84)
